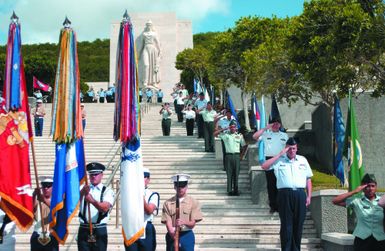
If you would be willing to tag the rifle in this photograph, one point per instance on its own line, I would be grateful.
(176, 238)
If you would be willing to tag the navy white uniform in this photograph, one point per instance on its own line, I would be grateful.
(274, 142)
(292, 176)
(99, 220)
(8, 234)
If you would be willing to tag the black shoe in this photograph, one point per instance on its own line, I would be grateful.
(230, 193)
(236, 193)
(272, 210)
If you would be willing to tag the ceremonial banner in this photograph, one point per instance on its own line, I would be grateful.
(261, 144)
(339, 137)
(15, 135)
(274, 110)
(352, 149)
(69, 174)
(127, 130)
(67, 132)
(232, 109)
(257, 117)
(37, 84)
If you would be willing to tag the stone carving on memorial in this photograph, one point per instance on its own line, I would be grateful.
(149, 57)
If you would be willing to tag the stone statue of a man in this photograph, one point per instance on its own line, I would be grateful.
(149, 57)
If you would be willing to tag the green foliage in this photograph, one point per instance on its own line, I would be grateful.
(40, 60)
(334, 46)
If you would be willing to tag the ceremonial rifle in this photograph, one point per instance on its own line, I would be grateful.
(176, 237)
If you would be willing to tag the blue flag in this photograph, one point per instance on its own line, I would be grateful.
(232, 109)
(261, 144)
(339, 138)
(68, 176)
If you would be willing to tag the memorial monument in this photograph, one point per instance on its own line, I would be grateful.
(159, 38)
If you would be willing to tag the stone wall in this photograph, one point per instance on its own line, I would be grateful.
(174, 35)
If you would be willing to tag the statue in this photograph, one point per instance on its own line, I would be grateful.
(149, 57)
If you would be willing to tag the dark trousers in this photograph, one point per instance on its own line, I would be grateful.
(233, 164)
(179, 112)
(39, 126)
(190, 127)
(140, 98)
(292, 212)
(369, 244)
(166, 125)
(36, 246)
(223, 154)
(101, 99)
(271, 185)
(147, 244)
(186, 241)
(101, 239)
(160, 99)
(200, 123)
(208, 132)
(84, 122)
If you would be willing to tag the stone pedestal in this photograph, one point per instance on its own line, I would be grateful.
(174, 35)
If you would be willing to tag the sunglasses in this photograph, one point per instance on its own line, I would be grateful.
(46, 185)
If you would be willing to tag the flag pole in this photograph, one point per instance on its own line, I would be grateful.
(46, 239)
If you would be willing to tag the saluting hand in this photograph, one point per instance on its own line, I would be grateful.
(359, 188)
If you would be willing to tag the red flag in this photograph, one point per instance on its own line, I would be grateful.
(15, 134)
(37, 84)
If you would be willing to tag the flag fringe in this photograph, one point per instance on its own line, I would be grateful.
(5, 197)
(134, 238)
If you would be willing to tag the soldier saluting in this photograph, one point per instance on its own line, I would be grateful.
(189, 214)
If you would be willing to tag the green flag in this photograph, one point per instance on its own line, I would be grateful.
(352, 149)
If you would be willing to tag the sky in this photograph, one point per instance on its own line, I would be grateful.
(41, 20)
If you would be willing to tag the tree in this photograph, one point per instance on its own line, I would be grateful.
(336, 45)
(195, 60)
(235, 57)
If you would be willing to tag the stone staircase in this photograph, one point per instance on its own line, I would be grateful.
(230, 223)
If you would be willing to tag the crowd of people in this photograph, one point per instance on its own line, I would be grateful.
(288, 179)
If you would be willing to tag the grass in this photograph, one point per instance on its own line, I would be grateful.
(322, 180)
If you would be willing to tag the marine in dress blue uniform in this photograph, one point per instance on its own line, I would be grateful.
(100, 200)
(293, 177)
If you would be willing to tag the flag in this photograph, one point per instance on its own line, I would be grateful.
(37, 84)
(69, 174)
(67, 132)
(197, 86)
(261, 144)
(232, 109)
(257, 117)
(352, 149)
(127, 131)
(274, 113)
(339, 137)
(15, 136)
(212, 92)
(207, 96)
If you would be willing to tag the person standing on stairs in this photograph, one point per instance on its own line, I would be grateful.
(166, 119)
(151, 208)
(293, 177)
(190, 214)
(274, 141)
(200, 104)
(38, 114)
(233, 142)
(190, 118)
(100, 199)
(7, 232)
(208, 116)
(44, 197)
